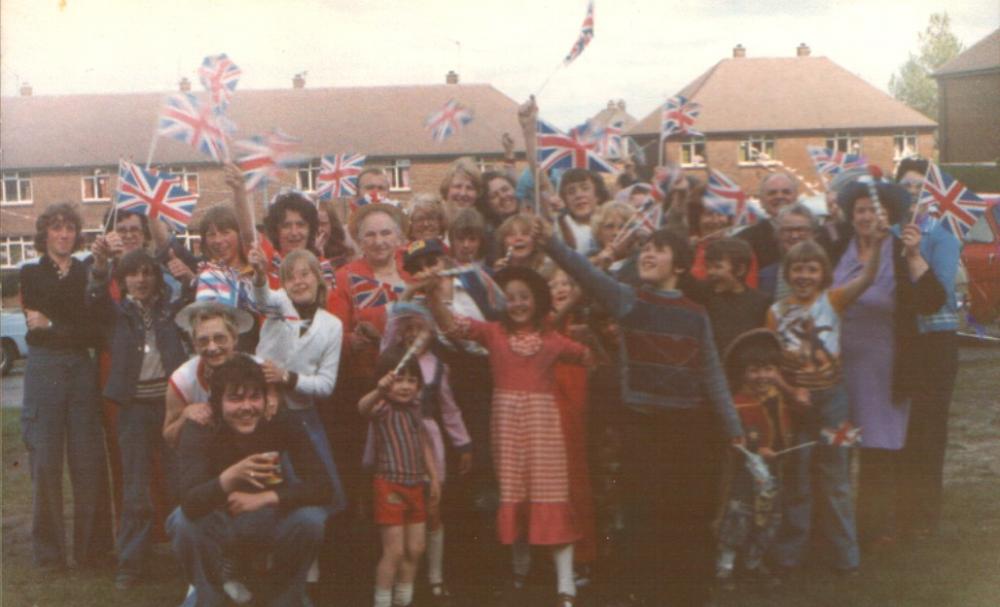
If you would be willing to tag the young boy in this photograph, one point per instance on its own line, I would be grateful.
(752, 510)
(808, 322)
(732, 306)
(672, 384)
(404, 467)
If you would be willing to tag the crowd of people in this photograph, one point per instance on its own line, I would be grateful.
(635, 405)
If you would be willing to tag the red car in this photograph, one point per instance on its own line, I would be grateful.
(981, 256)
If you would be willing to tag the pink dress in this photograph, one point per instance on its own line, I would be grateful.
(529, 449)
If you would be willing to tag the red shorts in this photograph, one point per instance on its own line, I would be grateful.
(397, 504)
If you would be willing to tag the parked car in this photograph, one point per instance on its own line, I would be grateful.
(12, 332)
(981, 257)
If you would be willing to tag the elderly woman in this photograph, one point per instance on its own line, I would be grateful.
(427, 218)
(462, 186)
(878, 343)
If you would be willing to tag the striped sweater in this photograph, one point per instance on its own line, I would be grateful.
(668, 358)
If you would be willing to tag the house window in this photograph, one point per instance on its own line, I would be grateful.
(16, 188)
(191, 241)
(849, 143)
(308, 176)
(693, 152)
(399, 175)
(189, 179)
(904, 145)
(96, 186)
(755, 146)
(485, 165)
(15, 249)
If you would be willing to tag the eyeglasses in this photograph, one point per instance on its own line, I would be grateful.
(786, 192)
(128, 230)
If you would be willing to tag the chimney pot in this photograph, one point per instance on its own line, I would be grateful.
(184, 85)
(802, 50)
(451, 77)
(621, 104)
(299, 81)
(739, 51)
(26, 90)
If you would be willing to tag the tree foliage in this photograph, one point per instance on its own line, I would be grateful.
(913, 84)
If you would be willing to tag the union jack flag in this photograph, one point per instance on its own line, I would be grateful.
(724, 196)
(338, 175)
(266, 157)
(947, 199)
(844, 435)
(829, 163)
(606, 139)
(184, 119)
(153, 195)
(648, 219)
(370, 293)
(586, 34)
(664, 180)
(217, 282)
(219, 75)
(556, 150)
(448, 120)
(678, 116)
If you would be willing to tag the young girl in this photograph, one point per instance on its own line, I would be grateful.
(808, 322)
(529, 447)
(407, 323)
(583, 191)
(404, 467)
(517, 248)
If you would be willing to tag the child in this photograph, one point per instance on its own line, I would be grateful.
(404, 467)
(752, 509)
(583, 191)
(732, 306)
(406, 324)
(529, 446)
(808, 322)
(672, 382)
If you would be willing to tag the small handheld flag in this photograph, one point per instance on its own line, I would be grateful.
(829, 163)
(723, 195)
(586, 35)
(557, 150)
(678, 116)
(266, 157)
(448, 120)
(184, 119)
(948, 200)
(219, 75)
(844, 435)
(153, 195)
(338, 175)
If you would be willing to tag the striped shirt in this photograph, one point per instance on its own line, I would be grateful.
(398, 443)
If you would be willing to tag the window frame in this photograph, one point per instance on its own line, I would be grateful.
(767, 140)
(400, 168)
(26, 244)
(900, 152)
(96, 176)
(312, 169)
(852, 142)
(18, 177)
(689, 147)
(187, 176)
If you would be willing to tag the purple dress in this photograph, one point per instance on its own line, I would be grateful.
(867, 351)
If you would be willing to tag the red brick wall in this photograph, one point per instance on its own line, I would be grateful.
(970, 118)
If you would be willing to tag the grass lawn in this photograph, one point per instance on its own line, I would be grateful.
(959, 567)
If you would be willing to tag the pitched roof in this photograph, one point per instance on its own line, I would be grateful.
(787, 94)
(386, 121)
(614, 112)
(981, 56)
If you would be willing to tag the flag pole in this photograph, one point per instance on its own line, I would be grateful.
(549, 78)
(811, 443)
(152, 148)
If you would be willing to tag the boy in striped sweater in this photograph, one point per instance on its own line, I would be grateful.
(679, 415)
(404, 469)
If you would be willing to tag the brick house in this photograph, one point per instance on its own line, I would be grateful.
(66, 148)
(778, 106)
(969, 104)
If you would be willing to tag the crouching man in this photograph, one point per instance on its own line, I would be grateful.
(238, 500)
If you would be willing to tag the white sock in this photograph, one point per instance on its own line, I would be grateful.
(727, 556)
(563, 557)
(403, 594)
(383, 597)
(522, 560)
(435, 555)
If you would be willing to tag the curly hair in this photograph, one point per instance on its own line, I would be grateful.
(292, 202)
(61, 212)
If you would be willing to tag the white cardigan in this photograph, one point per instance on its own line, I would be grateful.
(314, 356)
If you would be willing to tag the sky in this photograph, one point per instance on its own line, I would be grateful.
(643, 51)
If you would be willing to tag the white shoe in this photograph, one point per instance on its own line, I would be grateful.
(236, 591)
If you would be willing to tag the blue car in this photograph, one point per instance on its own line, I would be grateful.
(12, 331)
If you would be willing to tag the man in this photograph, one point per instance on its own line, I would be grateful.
(777, 190)
(794, 223)
(373, 181)
(61, 418)
(238, 500)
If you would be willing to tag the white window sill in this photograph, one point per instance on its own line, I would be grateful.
(17, 203)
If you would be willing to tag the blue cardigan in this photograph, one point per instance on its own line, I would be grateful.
(668, 358)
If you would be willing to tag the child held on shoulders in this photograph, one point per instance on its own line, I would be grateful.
(406, 483)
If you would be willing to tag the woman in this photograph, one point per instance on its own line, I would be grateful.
(878, 344)
(461, 187)
(427, 218)
(331, 239)
(708, 223)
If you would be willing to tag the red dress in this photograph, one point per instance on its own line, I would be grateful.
(530, 451)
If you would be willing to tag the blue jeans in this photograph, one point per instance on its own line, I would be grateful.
(293, 538)
(819, 476)
(61, 420)
(140, 435)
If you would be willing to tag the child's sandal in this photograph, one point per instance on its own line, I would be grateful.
(565, 600)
